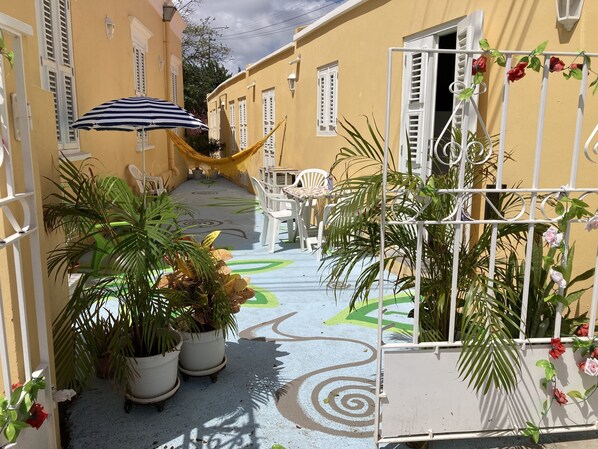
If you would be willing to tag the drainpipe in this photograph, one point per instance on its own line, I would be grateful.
(169, 146)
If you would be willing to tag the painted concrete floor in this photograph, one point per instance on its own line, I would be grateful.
(299, 374)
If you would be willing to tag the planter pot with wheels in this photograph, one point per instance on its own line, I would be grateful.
(202, 353)
(154, 376)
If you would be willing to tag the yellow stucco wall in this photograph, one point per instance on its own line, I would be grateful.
(359, 40)
(104, 71)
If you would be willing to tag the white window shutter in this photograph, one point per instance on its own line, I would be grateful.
(333, 92)
(268, 97)
(418, 105)
(469, 33)
(65, 44)
(48, 30)
(321, 102)
(69, 92)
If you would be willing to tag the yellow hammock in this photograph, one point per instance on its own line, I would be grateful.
(229, 166)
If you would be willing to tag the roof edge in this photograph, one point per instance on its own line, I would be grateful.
(225, 82)
(271, 55)
(335, 13)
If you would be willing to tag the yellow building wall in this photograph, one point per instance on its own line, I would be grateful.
(359, 40)
(104, 71)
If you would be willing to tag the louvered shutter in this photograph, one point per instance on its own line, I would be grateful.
(233, 136)
(469, 33)
(322, 101)
(268, 99)
(418, 106)
(242, 123)
(332, 97)
(58, 67)
(175, 86)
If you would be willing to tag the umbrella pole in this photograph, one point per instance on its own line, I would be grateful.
(143, 164)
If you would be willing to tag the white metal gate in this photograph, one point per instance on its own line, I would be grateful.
(20, 246)
(419, 393)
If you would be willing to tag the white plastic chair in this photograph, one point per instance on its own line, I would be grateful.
(272, 217)
(154, 184)
(311, 177)
(317, 241)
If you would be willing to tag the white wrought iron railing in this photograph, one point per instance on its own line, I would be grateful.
(532, 209)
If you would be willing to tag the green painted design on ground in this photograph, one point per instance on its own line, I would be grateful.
(263, 298)
(247, 205)
(206, 182)
(361, 316)
(257, 265)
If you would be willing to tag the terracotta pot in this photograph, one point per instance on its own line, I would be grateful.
(202, 351)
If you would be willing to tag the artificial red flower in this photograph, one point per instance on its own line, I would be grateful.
(582, 366)
(479, 65)
(17, 385)
(556, 64)
(576, 66)
(556, 348)
(517, 72)
(582, 331)
(560, 397)
(38, 415)
(594, 353)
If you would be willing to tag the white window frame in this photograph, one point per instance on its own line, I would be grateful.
(327, 101)
(213, 121)
(140, 36)
(233, 131)
(269, 114)
(242, 123)
(58, 69)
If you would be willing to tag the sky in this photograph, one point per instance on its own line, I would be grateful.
(258, 27)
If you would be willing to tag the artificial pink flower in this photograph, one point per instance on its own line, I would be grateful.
(479, 65)
(517, 72)
(38, 415)
(592, 223)
(591, 367)
(553, 237)
(582, 366)
(556, 348)
(557, 278)
(556, 64)
(560, 397)
(576, 66)
(582, 331)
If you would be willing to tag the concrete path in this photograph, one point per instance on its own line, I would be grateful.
(299, 374)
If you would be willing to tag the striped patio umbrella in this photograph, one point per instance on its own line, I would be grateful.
(137, 114)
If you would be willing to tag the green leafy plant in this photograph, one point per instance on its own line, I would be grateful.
(8, 54)
(139, 247)
(21, 409)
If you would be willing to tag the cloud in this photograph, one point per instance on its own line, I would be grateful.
(256, 28)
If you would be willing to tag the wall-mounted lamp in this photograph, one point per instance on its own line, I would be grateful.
(251, 85)
(110, 26)
(168, 11)
(292, 79)
(568, 12)
(297, 60)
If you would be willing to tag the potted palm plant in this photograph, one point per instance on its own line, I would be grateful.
(139, 236)
(211, 303)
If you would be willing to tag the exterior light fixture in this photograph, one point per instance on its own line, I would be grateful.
(110, 26)
(292, 79)
(251, 85)
(568, 12)
(168, 11)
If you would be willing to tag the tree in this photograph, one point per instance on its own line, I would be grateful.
(203, 57)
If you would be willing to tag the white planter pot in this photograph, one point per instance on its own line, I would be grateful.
(202, 351)
(156, 375)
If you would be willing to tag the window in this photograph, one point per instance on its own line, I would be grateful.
(58, 69)
(427, 103)
(233, 134)
(213, 123)
(268, 110)
(242, 123)
(175, 64)
(327, 100)
(140, 36)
